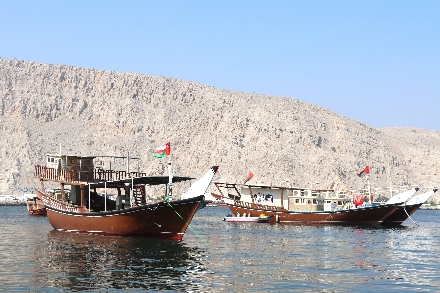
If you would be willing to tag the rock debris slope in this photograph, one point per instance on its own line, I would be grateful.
(91, 111)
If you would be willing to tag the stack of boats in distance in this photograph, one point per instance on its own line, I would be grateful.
(307, 206)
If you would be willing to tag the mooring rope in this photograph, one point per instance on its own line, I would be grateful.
(409, 216)
(189, 226)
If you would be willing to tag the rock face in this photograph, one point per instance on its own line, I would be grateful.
(94, 112)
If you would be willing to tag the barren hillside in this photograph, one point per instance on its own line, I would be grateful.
(110, 113)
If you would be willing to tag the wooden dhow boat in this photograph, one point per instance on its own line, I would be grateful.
(300, 205)
(405, 210)
(130, 212)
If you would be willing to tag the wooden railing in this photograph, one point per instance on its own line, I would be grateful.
(77, 176)
(254, 205)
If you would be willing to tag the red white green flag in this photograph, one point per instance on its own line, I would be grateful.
(162, 151)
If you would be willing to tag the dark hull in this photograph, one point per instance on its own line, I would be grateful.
(159, 220)
(400, 215)
(361, 216)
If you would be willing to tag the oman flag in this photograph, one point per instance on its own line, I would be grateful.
(162, 151)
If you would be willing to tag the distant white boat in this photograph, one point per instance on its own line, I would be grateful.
(260, 219)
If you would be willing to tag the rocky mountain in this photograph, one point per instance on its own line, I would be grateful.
(95, 112)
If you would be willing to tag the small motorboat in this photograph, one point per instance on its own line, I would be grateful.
(35, 206)
(261, 219)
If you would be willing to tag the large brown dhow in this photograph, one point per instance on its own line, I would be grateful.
(128, 211)
(300, 205)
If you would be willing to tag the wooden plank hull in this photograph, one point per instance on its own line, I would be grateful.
(361, 216)
(160, 220)
(400, 215)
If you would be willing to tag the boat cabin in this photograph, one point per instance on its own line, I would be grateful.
(295, 199)
(290, 198)
(315, 200)
(70, 162)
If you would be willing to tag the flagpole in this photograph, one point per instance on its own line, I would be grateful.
(369, 189)
(170, 178)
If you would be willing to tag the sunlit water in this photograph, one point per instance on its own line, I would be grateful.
(222, 257)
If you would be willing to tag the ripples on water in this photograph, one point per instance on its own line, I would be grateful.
(229, 257)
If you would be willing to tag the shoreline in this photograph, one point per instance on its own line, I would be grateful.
(12, 203)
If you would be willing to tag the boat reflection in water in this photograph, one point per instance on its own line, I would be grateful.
(90, 262)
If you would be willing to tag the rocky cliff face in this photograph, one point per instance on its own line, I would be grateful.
(90, 112)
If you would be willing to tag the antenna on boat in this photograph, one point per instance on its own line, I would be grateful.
(128, 162)
(391, 186)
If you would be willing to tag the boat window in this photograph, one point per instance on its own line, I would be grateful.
(296, 200)
(314, 201)
(302, 200)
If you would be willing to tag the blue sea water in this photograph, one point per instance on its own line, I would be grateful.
(218, 256)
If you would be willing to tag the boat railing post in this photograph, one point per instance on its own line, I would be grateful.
(105, 196)
(131, 192)
(89, 196)
(82, 194)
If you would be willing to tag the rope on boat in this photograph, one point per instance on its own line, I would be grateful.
(409, 216)
(189, 226)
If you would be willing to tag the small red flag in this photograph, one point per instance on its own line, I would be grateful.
(358, 200)
(366, 171)
(249, 176)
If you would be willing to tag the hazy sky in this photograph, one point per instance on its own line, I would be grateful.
(374, 61)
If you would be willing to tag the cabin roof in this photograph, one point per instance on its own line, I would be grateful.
(88, 157)
(154, 180)
(66, 155)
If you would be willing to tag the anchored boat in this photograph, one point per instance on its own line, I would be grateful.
(300, 205)
(35, 206)
(112, 202)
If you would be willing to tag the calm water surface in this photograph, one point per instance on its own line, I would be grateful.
(225, 257)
